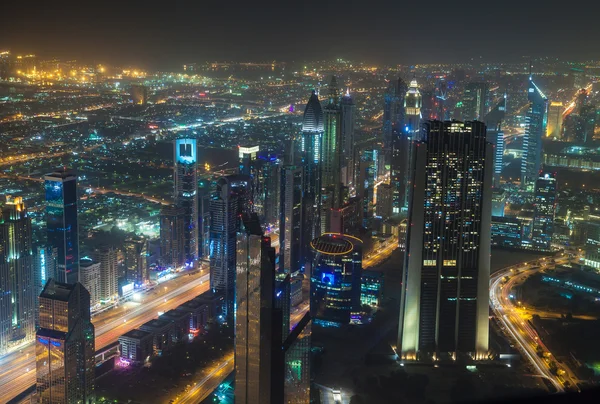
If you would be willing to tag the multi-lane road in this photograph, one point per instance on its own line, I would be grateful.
(517, 326)
(219, 371)
(17, 370)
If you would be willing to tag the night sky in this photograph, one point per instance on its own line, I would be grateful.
(165, 34)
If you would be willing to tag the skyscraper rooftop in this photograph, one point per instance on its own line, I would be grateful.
(313, 115)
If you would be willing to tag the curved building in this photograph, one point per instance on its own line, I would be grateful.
(313, 115)
(335, 279)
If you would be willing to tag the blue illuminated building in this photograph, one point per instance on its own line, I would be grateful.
(186, 196)
(535, 130)
(335, 279)
(507, 232)
(61, 223)
(495, 135)
(371, 288)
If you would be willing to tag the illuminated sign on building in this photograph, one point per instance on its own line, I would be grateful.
(185, 151)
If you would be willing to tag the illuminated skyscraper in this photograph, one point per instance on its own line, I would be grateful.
(400, 149)
(331, 156)
(225, 209)
(250, 166)
(291, 222)
(495, 136)
(255, 283)
(393, 116)
(107, 257)
(404, 139)
(64, 347)
(310, 150)
(535, 130)
(348, 109)
(475, 101)
(445, 295)
(335, 279)
(555, 119)
(544, 209)
(136, 259)
(186, 195)
(62, 231)
(17, 289)
(172, 229)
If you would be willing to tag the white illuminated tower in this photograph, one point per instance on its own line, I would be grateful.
(17, 310)
(445, 294)
(186, 195)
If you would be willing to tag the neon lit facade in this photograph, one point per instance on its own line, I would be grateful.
(17, 288)
(62, 229)
(335, 279)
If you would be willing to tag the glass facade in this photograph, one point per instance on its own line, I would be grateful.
(64, 346)
(186, 197)
(291, 223)
(335, 279)
(535, 130)
(224, 207)
(255, 277)
(544, 208)
(506, 232)
(297, 367)
(17, 287)
(444, 306)
(61, 223)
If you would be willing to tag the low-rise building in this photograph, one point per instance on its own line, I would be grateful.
(136, 345)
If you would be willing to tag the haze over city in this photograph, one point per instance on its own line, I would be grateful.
(298, 203)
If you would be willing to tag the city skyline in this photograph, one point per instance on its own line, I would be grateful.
(282, 225)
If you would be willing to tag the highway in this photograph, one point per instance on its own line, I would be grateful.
(516, 326)
(380, 255)
(17, 370)
(220, 370)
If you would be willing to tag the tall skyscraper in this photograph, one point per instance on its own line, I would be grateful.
(107, 257)
(475, 100)
(393, 116)
(401, 138)
(535, 130)
(267, 202)
(495, 136)
(272, 364)
(335, 279)
(348, 109)
(136, 259)
(186, 195)
(544, 209)
(62, 231)
(224, 207)
(311, 150)
(90, 279)
(445, 282)
(331, 156)
(255, 267)
(64, 347)
(555, 119)
(291, 222)
(172, 225)
(17, 289)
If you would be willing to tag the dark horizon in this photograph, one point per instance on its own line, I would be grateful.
(135, 33)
